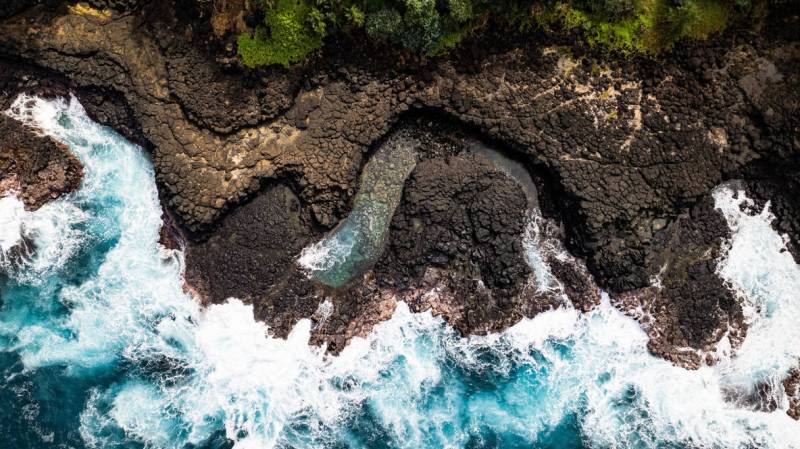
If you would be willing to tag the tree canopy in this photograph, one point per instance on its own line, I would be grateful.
(292, 29)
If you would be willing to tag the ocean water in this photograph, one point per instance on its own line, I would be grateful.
(101, 348)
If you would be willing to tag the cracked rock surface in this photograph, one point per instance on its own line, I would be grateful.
(34, 168)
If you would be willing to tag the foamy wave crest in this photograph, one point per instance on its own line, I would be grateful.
(12, 214)
(51, 236)
(538, 246)
(763, 272)
(116, 215)
(327, 253)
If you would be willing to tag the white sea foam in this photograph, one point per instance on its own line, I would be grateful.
(12, 214)
(139, 410)
(624, 396)
(54, 229)
(327, 253)
(538, 246)
(764, 274)
(116, 202)
(262, 385)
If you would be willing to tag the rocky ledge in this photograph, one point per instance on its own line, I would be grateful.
(34, 168)
(255, 165)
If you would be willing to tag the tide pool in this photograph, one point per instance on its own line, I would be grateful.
(356, 243)
(100, 347)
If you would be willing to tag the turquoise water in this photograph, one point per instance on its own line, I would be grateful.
(101, 348)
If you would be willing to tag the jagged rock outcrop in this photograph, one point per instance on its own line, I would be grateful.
(461, 214)
(791, 386)
(252, 249)
(690, 309)
(36, 169)
(782, 191)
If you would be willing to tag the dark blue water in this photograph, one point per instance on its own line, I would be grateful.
(101, 348)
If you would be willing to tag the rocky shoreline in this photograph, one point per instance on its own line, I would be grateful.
(256, 165)
(35, 168)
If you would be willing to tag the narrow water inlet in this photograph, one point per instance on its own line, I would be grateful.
(358, 241)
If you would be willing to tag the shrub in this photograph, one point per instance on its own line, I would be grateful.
(355, 16)
(421, 25)
(294, 28)
(384, 24)
(700, 18)
(413, 24)
(448, 42)
(651, 26)
(460, 10)
(612, 9)
(289, 34)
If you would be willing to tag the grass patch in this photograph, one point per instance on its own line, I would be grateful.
(449, 41)
(704, 18)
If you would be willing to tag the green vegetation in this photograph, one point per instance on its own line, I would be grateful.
(291, 32)
(293, 29)
(648, 26)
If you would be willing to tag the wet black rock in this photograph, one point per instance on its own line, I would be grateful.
(782, 192)
(36, 168)
(690, 309)
(464, 215)
(253, 248)
(10, 7)
(120, 5)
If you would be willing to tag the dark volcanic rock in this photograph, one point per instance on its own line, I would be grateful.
(464, 216)
(455, 248)
(11, 7)
(253, 249)
(18, 255)
(782, 191)
(36, 168)
(121, 5)
(460, 214)
(776, 178)
(105, 106)
(691, 308)
(227, 102)
(458, 231)
(791, 386)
